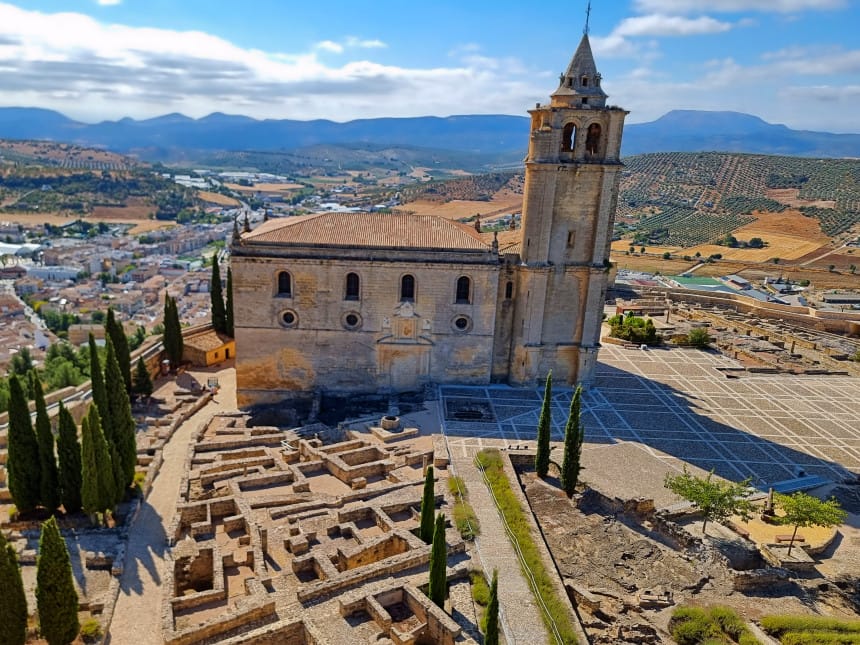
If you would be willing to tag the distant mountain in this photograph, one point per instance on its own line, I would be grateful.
(498, 136)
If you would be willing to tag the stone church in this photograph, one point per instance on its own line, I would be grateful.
(387, 302)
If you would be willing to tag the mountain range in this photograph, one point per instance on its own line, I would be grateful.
(498, 137)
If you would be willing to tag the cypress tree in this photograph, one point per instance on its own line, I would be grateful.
(142, 380)
(13, 609)
(574, 434)
(49, 492)
(115, 331)
(69, 453)
(428, 507)
(56, 597)
(491, 632)
(23, 463)
(98, 490)
(97, 381)
(172, 332)
(438, 563)
(121, 433)
(543, 430)
(216, 298)
(231, 321)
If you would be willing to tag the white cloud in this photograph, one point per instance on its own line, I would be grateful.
(767, 6)
(662, 25)
(92, 70)
(107, 3)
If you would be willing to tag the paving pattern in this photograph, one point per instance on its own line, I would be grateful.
(680, 403)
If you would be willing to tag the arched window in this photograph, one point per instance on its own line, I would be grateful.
(285, 284)
(585, 81)
(509, 290)
(568, 137)
(464, 288)
(592, 141)
(353, 285)
(407, 288)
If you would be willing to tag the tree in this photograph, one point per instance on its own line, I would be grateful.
(172, 332)
(97, 381)
(428, 507)
(13, 609)
(119, 426)
(98, 488)
(802, 510)
(69, 453)
(23, 462)
(56, 597)
(216, 297)
(231, 321)
(491, 631)
(574, 434)
(142, 385)
(49, 493)
(438, 563)
(543, 430)
(717, 500)
(115, 331)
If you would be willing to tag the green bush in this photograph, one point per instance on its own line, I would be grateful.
(778, 625)
(91, 630)
(820, 638)
(512, 511)
(464, 515)
(480, 588)
(717, 625)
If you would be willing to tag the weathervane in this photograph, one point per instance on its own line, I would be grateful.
(587, 18)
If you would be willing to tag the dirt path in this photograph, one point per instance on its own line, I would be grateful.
(137, 616)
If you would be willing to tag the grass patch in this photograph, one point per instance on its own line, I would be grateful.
(480, 588)
(464, 514)
(718, 625)
(516, 519)
(812, 630)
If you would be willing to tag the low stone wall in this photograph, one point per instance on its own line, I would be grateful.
(239, 617)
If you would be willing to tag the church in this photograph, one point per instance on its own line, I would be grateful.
(346, 303)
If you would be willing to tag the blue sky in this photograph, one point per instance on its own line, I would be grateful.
(789, 61)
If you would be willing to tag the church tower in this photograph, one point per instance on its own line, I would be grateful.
(571, 190)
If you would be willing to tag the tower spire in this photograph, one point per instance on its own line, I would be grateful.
(587, 18)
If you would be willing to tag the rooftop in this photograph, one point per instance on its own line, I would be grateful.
(368, 230)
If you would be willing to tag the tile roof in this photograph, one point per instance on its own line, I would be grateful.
(369, 230)
(207, 341)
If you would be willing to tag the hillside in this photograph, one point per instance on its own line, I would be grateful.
(685, 199)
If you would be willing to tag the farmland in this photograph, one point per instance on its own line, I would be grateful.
(691, 199)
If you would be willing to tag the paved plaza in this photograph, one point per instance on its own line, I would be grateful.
(686, 404)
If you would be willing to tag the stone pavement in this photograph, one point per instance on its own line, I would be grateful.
(521, 620)
(137, 615)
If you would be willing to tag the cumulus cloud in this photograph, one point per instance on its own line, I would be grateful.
(662, 25)
(768, 6)
(91, 70)
(107, 3)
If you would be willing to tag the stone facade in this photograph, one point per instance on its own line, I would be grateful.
(390, 302)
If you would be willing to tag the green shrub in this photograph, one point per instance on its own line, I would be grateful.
(512, 511)
(464, 515)
(91, 630)
(717, 625)
(480, 588)
(820, 638)
(777, 625)
(730, 623)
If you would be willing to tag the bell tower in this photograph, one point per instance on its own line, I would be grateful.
(571, 190)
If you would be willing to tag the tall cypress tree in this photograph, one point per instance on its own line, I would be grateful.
(98, 490)
(231, 321)
(49, 489)
(574, 434)
(23, 462)
(428, 507)
(114, 330)
(438, 563)
(491, 631)
(543, 430)
(216, 297)
(142, 380)
(172, 332)
(97, 381)
(13, 609)
(121, 433)
(56, 597)
(69, 453)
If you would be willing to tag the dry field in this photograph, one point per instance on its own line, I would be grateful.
(789, 196)
(139, 224)
(63, 151)
(620, 246)
(217, 198)
(459, 209)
